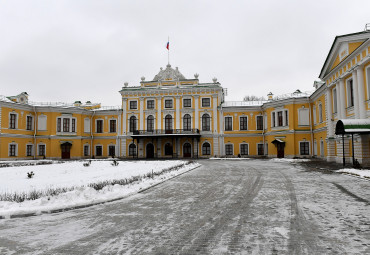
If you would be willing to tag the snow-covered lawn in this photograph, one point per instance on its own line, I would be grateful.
(357, 172)
(76, 177)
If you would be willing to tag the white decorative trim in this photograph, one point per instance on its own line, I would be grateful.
(232, 145)
(16, 149)
(240, 148)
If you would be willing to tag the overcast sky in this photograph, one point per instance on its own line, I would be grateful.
(86, 50)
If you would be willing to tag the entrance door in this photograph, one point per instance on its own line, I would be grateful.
(149, 150)
(187, 150)
(280, 150)
(66, 150)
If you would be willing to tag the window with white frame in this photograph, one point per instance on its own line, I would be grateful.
(150, 104)
(206, 149)
(98, 150)
(29, 122)
(132, 149)
(279, 118)
(168, 103)
(335, 103)
(243, 123)
(41, 122)
(29, 150)
(206, 122)
(320, 113)
(111, 150)
(87, 125)
(187, 102)
(350, 93)
(260, 149)
(228, 123)
(314, 114)
(99, 126)
(304, 148)
(150, 123)
(206, 102)
(259, 122)
(133, 105)
(112, 126)
(303, 117)
(229, 149)
(244, 149)
(132, 124)
(41, 150)
(13, 150)
(187, 122)
(66, 124)
(12, 120)
(86, 150)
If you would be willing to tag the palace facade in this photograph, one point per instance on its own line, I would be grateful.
(172, 116)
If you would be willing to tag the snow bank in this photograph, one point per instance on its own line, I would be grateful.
(357, 172)
(291, 160)
(73, 174)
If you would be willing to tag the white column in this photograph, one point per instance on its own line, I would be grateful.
(342, 99)
(361, 92)
(329, 113)
(214, 114)
(339, 107)
(196, 104)
(159, 112)
(177, 112)
(124, 116)
(355, 95)
(141, 113)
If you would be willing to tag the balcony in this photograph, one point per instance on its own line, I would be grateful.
(166, 133)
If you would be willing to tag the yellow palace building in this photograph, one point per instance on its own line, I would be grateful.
(172, 116)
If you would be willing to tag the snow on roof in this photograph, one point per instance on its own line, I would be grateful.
(243, 103)
(355, 122)
(5, 99)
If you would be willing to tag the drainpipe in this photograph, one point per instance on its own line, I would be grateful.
(34, 133)
(311, 122)
(91, 135)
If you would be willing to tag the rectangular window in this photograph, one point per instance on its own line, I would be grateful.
(244, 149)
(228, 149)
(41, 149)
(73, 125)
(259, 122)
(335, 105)
(99, 126)
(206, 102)
(150, 104)
(243, 123)
(273, 120)
(168, 103)
(286, 119)
(86, 150)
(133, 105)
(280, 118)
(13, 120)
(187, 102)
(228, 123)
(29, 149)
(65, 125)
(59, 125)
(112, 126)
(304, 148)
(350, 93)
(260, 151)
(12, 150)
(29, 122)
(99, 150)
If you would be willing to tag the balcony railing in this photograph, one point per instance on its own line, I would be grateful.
(193, 131)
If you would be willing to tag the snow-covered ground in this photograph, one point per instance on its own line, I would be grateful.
(75, 176)
(291, 160)
(363, 173)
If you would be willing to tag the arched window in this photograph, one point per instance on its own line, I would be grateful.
(150, 123)
(133, 124)
(132, 150)
(206, 149)
(168, 122)
(206, 122)
(187, 122)
(168, 149)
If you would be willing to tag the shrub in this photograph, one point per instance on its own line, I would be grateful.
(30, 174)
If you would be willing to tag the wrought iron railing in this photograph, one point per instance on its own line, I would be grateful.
(166, 131)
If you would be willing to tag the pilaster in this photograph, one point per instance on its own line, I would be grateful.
(214, 97)
(355, 95)
(141, 113)
(196, 112)
(361, 92)
(159, 112)
(342, 100)
(177, 112)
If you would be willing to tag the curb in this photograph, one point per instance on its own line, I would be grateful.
(13, 216)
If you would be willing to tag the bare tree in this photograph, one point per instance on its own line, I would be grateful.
(253, 98)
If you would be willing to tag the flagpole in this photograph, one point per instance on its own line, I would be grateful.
(168, 51)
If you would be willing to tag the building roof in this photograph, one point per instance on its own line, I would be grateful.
(169, 74)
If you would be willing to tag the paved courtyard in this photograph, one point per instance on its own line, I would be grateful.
(223, 207)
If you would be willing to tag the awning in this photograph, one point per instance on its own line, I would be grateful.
(352, 126)
(277, 141)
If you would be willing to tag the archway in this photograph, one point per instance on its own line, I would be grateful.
(149, 150)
